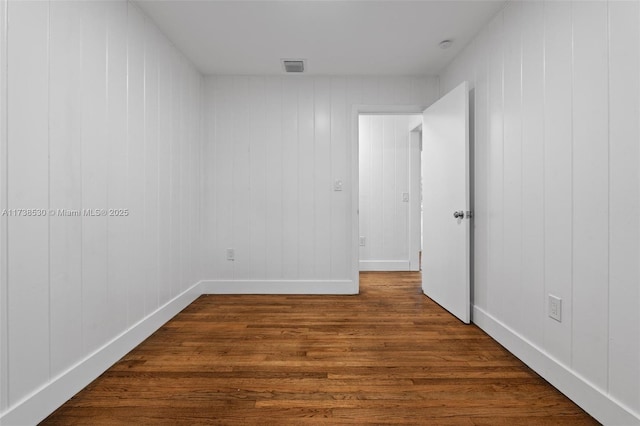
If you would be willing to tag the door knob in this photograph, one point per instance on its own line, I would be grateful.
(458, 214)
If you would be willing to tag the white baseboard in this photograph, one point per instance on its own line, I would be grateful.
(385, 265)
(601, 406)
(37, 406)
(278, 287)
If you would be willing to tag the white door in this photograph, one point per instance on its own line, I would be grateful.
(446, 228)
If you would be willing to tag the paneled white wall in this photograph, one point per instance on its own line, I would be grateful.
(102, 113)
(385, 174)
(274, 147)
(557, 91)
(3, 204)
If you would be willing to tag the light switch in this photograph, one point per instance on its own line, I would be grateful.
(405, 197)
(337, 185)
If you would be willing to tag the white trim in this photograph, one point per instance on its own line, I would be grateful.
(356, 110)
(37, 406)
(385, 265)
(278, 287)
(593, 400)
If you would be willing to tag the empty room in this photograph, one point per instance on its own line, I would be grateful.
(319, 212)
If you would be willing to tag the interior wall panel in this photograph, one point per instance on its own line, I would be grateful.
(558, 171)
(495, 168)
(95, 155)
(119, 259)
(624, 197)
(532, 299)
(322, 186)
(3, 205)
(65, 184)
(512, 151)
(284, 179)
(152, 169)
(571, 90)
(273, 149)
(258, 176)
(479, 79)
(241, 176)
(590, 191)
(134, 220)
(102, 117)
(339, 142)
(28, 188)
(307, 195)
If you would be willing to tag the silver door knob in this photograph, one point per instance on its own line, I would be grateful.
(458, 214)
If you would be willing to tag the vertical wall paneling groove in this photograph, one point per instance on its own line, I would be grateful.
(624, 197)
(557, 212)
(277, 145)
(100, 132)
(3, 206)
(590, 191)
(28, 141)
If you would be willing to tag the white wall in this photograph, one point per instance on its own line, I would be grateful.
(275, 146)
(557, 193)
(102, 113)
(385, 174)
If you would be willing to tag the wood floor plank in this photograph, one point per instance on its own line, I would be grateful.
(387, 356)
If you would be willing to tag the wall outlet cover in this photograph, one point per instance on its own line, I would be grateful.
(231, 254)
(555, 308)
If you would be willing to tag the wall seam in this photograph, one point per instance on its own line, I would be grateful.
(49, 184)
(4, 289)
(608, 366)
(571, 170)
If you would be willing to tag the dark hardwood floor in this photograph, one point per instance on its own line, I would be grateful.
(387, 356)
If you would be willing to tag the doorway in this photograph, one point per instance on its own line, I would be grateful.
(389, 192)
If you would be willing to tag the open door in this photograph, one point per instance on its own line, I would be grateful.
(445, 192)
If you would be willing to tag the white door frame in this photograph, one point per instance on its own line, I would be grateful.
(414, 238)
(356, 110)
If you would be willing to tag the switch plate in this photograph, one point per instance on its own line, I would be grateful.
(555, 308)
(337, 185)
(363, 241)
(405, 197)
(231, 254)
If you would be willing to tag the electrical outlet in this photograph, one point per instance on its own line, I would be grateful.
(363, 241)
(405, 197)
(337, 185)
(231, 254)
(555, 308)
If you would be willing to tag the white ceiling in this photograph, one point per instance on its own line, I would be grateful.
(335, 37)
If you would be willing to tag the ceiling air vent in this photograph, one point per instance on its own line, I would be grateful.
(293, 65)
